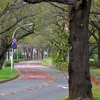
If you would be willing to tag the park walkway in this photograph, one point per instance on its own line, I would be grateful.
(35, 83)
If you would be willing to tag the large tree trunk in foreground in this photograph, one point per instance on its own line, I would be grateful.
(79, 74)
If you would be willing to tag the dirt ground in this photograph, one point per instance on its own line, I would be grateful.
(95, 80)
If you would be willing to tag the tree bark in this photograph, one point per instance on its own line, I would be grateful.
(31, 53)
(98, 50)
(3, 49)
(2, 58)
(79, 74)
(98, 65)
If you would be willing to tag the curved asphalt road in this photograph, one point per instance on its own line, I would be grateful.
(35, 83)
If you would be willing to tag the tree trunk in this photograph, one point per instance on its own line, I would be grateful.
(98, 55)
(3, 49)
(2, 55)
(79, 74)
(2, 58)
(31, 53)
(98, 50)
(8, 54)
(42, 54)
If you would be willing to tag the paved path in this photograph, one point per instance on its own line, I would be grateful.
(36, 83)
(34, 74)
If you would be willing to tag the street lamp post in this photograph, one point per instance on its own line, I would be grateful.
(30, 24)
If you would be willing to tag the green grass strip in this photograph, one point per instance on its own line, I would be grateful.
(96, 92)
(96, 71)
(6, 74)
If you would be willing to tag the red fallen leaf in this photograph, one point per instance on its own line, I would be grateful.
(11, 93)
(29, 88)
(43, 85)
(50, 82)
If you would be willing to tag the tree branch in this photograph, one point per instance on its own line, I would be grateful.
(95, 12)
(69, 2)
(90, 53)
(58, 7)
(95, 25)
(20, 19)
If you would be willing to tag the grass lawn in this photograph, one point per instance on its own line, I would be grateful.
(96, 92)
(6, 73)
(96, 71)
(64, 98)
(96, 89)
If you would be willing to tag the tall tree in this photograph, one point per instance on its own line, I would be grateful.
(79, 74)
(11, 16)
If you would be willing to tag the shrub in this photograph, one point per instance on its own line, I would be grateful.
(47, 61)
(7, 63)
(19, 54)
(26, 59)
(93, 60)
(16, 61)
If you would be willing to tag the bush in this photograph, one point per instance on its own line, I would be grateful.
(7, 63)
(93, 60)
(16, 61)
(19, 54)
(26, 59)
(47, 62)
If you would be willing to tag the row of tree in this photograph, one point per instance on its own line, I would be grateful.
(13, 14)
(58, 23)
(79, 74)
